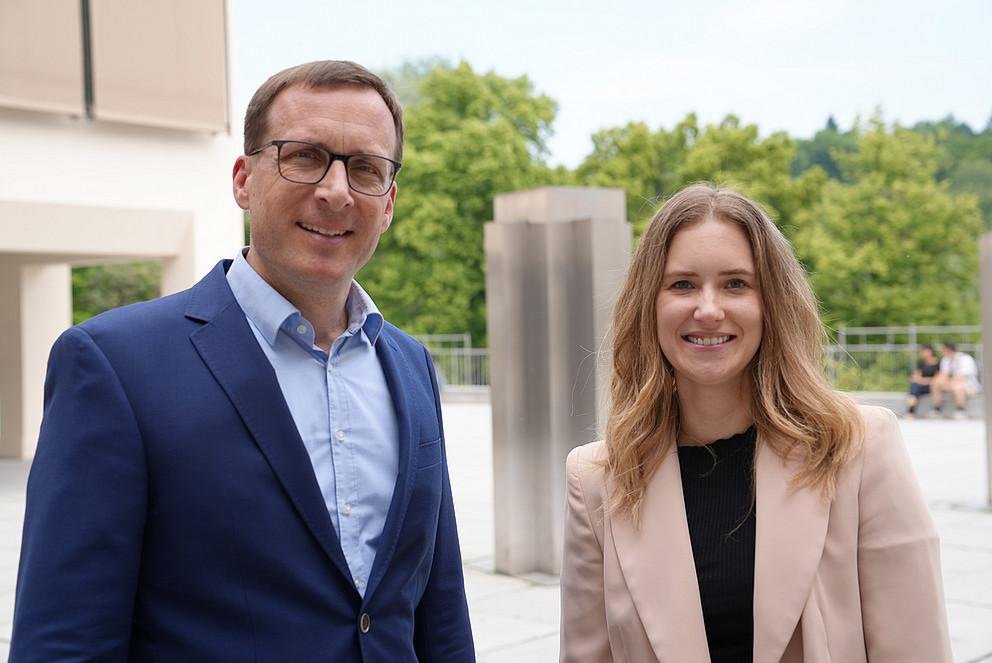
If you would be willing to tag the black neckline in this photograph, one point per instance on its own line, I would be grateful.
(735, 440)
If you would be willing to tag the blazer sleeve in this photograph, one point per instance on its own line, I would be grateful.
(442, 631)
(902, 597)
(84, 517)
(584, 635)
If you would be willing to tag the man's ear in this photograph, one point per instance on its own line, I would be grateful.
(387, 219)
(240, 181)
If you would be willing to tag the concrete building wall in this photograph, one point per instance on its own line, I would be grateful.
(68, 161)
(76, 190)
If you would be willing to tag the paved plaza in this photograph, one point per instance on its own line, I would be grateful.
(516, 619)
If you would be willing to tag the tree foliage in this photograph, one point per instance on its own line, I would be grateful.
(652, 165)
(823, 150)
(644, 163)
(887, 243)
(98, 288)
(965, 159)
(469, 136)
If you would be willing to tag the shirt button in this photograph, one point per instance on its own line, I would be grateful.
(339, 435)
(365, 622)
(301, 329)
(346, 509)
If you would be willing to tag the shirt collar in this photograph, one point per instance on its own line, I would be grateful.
(269, 311)
(362, 312)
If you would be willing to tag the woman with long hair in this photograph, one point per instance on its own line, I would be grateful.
(739, 508)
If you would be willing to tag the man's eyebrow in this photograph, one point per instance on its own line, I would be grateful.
(320, 143)
(311, 141)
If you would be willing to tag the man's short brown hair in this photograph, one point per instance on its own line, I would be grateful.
(322, 73)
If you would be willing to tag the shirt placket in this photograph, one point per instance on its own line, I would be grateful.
(345, 470)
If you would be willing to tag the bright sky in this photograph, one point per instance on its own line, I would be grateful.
(780, 64)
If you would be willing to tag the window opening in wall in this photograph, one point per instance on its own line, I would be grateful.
(98, 288)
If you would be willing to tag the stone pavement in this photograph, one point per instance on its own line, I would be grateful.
(516, 619)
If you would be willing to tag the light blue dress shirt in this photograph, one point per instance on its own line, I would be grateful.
(341, 405)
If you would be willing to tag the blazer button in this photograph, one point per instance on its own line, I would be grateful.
(365, 622)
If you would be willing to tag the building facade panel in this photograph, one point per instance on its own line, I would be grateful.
(133, 82)
(41, 56)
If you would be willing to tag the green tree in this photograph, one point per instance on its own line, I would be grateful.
(890, 244)
(644, 163)
(735, 154)
(98, 288)
(469, 136)
(821, 150)
(653, 165)
(965, 159)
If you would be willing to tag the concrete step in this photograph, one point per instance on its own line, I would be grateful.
(896, 401)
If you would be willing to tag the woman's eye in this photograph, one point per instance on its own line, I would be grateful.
(736, 283)
(681, 285)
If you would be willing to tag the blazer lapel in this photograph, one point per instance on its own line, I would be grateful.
(230, 351)
(789, 534)
(658, 566)
(397, 374)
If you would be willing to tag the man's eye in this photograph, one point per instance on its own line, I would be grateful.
(364, 166)
(305, 155)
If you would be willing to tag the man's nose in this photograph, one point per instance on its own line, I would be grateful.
(333, 190)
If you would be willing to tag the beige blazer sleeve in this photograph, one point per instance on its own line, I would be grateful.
(902, 596)
(584, 633)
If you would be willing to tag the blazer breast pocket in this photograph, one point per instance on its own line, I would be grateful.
(429, 454)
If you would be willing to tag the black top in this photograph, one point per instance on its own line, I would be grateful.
(927, 370)
(720, 512)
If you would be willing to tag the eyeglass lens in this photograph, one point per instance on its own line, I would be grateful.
(307, 164)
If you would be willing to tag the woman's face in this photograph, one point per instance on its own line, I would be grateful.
(709, 308)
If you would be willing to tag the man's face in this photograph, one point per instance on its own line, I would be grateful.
(316, 236)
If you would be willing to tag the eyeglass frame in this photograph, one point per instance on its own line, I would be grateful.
(343, 158)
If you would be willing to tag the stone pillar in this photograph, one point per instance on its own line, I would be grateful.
(11, 424)
(46, 312)
(37, 299)
(985, 272)
(556, 257)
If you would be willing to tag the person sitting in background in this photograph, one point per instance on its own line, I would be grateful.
(919, 385)
(958, 375)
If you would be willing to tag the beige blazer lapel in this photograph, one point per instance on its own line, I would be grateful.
(789, 535)
(658, 567)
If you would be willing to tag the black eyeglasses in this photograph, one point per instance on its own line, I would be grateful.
(306, 163)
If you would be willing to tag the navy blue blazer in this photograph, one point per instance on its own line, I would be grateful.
(173, 513)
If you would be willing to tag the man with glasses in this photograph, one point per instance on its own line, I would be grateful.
(254, 469)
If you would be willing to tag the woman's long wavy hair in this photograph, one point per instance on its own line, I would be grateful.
(796, 412)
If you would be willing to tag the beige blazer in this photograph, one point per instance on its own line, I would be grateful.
(853, 580)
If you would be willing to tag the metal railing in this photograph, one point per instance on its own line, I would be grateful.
(863, 359)
(882, 358)
(456, 362)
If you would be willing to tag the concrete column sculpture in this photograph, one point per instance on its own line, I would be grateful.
(556, 257)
